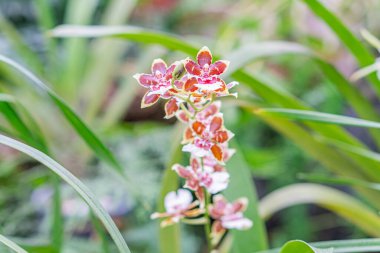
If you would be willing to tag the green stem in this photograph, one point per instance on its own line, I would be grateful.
(207, 218)
(207, 215)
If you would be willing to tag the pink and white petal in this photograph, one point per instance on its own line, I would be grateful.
(240, 223)
(240, 205)
(204, 56)
(181, 171)
(200, 196)
(159, 65)
(192, 67)
(218, 67)
(149, 100)
(162, 90)
(182, 116)
(232, 84)
(194, 150)
(171, 108)
(145, 80)
(169, 71)
(209, 86)
(217, 228)
(187, 136)
(177, 202)
(219, 183)
(216, 123)
(195, 164)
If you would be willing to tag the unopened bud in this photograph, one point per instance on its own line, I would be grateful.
(179, 71)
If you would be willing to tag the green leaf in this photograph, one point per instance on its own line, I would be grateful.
(362, 55)
(251, 52)
(10, 244)
(302, 247)
(326, 155)
(81, 128)
(324, 179)
(343, 246)
(77, 185)
(336, 201)
(327, 118)
(241, 184)
(170, 238)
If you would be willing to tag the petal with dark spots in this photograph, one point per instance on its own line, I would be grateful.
(190, 85)
(171, 108)
(221, 136)
(149, 99)
(216, 124)
(218, 67)
(217, 152)
(192, 67)
(198, 127)
(204, 57)
(159, 65)
(145, 80)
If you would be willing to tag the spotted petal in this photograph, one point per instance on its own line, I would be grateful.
(145, 80)
(204, 56)
(149, 99)
(217, 152)
(192, 67)
(171, 108)
(158, 65)
(218, 67)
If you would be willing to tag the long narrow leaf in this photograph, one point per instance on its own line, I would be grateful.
(362, 55)
(77, 185)
(319, 117)
(241, 184)
(329, 198)
(10, 244)
(82, 129)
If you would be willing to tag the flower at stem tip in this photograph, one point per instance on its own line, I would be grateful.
(178, 205)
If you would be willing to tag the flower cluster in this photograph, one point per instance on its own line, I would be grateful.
(190, 89)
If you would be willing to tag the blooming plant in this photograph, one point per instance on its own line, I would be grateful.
(191, 89)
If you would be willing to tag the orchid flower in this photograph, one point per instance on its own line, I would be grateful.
(178, 205)
(198, 178)
(228, 215)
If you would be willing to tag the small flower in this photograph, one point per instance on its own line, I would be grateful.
(228, 215)
(206, 135)
(178, 205)
(197, 178)
(206, 74)
(158, 83)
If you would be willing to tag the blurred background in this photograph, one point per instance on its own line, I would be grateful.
(94, 77)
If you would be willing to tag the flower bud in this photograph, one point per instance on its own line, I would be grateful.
(179, 71)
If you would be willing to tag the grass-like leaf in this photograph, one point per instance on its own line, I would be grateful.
(358, 50)
(77, 185)
(329, 198)
(81, 128)
(12, 245)
(319, 117)
(242, 185)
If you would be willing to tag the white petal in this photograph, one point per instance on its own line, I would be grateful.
(240, 224)
(219, 182)
(194, 150)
